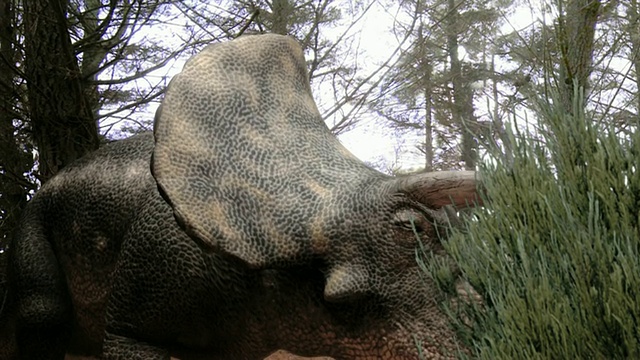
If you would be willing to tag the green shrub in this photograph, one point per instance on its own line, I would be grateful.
(555, 250)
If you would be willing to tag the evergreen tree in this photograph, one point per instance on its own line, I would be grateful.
(555, 252)
(431, 89)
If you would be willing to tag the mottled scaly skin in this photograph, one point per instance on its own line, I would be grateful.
(256, 232)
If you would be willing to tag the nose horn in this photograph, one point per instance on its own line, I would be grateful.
(442, 188)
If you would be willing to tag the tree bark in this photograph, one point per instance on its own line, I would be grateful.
(63, 125)
(428, 119)
(462, 109)
(281, 13)
(426, 70)
(576, 30)
(94, 52)
(15, 160)
(633, 14)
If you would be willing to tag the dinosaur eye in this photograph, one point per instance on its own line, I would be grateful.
(412, 225)
(409, 220)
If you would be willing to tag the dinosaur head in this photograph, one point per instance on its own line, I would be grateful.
(251, 170)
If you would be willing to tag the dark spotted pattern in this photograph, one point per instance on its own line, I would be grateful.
(243, 155)
(298, 245)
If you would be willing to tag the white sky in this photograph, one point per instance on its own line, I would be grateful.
(371, 141)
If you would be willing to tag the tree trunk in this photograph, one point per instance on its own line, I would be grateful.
(428, 119)
(498, 123)
(576, 30)
(633, 14)
(462, 109)
(281, 13)
(94, 52)
(15, 160)
(62, 121)
(426, 70)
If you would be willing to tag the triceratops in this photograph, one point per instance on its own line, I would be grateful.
(239, 227)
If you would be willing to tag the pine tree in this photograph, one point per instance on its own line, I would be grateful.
(431, 89)
(556, 250)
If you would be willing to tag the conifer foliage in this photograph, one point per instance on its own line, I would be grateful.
(555, 250)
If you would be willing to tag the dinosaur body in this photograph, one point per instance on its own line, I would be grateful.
(240, 227)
